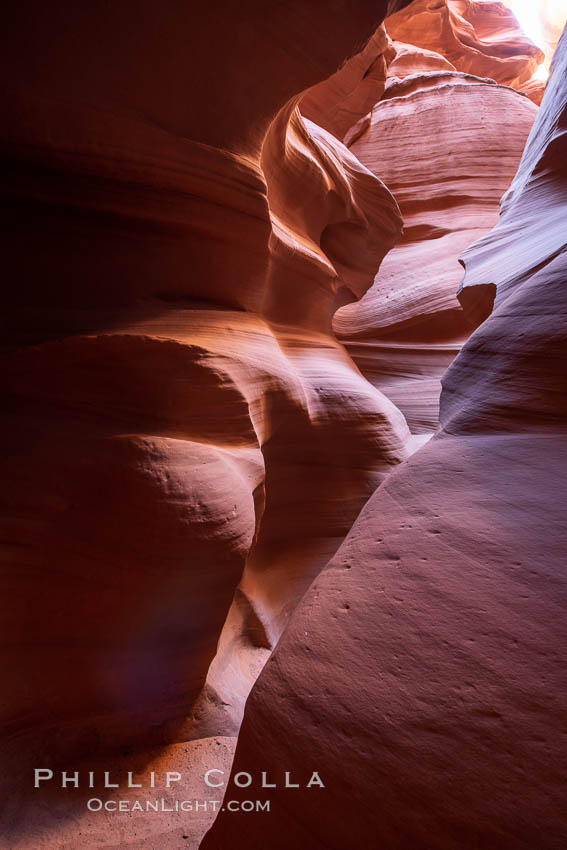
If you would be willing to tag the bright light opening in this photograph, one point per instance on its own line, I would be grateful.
(542, 21)
(529, 15)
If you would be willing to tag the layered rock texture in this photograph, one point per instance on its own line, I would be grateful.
(497, 263)
(154, 446)
(446, 603)
(478, 37)
(175, 399)
(409, 326)
(232, 291)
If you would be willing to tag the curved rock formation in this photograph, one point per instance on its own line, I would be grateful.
(497, 263)
(446, 603)
(410, 59)
(477, 37)
(176, 399)
(187, 443)
(409, 326)
(334, 422)
(350, 93)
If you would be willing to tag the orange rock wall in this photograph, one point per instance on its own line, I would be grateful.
(178, 409)
(446, 603)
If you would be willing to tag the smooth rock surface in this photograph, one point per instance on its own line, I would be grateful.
(175, 397)
(445, 605)
(407, 328)
(534, 205)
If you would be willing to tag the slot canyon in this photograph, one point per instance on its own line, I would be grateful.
(285, 423)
